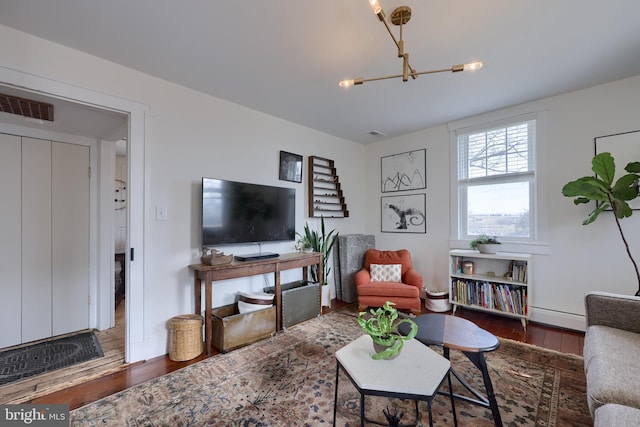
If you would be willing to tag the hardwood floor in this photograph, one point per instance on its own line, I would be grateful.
(112, 343)
(562, 340)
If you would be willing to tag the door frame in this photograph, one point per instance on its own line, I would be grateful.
(135, 270)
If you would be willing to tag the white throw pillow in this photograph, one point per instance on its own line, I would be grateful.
(252, 301)
(385, 272)
(245, 307)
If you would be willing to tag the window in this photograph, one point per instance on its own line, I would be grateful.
(496, 181)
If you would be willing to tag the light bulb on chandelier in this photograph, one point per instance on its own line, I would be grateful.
(375, 6)
(472, 67)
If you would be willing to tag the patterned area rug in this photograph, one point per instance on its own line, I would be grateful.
(289, 380)
(47, 356)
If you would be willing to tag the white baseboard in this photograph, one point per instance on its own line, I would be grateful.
(558, 318)
(148, 349)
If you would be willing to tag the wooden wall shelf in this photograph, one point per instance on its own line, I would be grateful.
(325, 193)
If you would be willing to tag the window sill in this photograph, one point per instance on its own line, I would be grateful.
(536, 248)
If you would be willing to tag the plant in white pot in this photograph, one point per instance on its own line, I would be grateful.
(382, 326)
(485, 244)
(608, 194)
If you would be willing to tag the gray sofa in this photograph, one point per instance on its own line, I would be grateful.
(612, 358)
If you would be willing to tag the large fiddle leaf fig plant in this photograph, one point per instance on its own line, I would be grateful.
(608, 194)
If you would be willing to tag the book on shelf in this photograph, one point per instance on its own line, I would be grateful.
(457, 265)
(518, 271)
(495, 296)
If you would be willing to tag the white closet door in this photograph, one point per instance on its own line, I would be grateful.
(70, 219)
(36, 239)
(10, 241)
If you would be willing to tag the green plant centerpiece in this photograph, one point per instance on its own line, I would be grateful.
(480, 243)
(608, 194)
(382, 327)
(321, 242)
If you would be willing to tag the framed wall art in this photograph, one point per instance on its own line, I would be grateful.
(625, 148)
(404, 171)
(403, 214)
(290, 167)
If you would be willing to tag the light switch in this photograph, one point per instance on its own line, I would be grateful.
(161, 213)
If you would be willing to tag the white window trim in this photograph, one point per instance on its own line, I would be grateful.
(538, 242)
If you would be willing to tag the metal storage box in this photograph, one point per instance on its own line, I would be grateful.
(300, 301)
(232, 330)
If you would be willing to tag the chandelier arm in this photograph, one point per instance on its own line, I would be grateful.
(412, 71)
(373, 79)
(441, 70)
(414, 75)
(391, 34)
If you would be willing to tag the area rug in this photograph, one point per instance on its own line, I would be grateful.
(47, 356)
(289, 380)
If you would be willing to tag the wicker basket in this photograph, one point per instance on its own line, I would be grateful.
(185, 337)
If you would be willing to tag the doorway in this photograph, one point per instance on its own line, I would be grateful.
(120, 221)
(132, 117)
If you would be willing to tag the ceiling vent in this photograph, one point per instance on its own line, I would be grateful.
(26, 107)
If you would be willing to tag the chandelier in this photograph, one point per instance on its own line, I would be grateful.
(400, 16)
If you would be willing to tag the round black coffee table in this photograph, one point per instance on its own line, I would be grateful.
(450, 332)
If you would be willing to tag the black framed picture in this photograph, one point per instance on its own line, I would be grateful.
(404, 171)
(404, 214)
(290, 167)
(624, 148)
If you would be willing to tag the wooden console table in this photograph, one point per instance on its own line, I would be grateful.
(209, 273)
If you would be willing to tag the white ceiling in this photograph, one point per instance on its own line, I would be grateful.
(285, 57)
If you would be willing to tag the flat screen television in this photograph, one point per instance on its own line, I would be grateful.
(238, 212)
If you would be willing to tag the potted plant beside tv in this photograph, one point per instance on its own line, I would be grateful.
(608, 194)
(321, 242)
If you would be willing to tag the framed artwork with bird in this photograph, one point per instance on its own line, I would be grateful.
(404, 214)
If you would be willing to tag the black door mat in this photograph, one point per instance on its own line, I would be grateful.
(47, 356)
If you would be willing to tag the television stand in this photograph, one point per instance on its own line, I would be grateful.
(257, 256)
(207, 274)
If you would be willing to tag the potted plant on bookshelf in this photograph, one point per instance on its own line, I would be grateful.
(607, 194)
(485, 244)
(382, 326)
(321, 242)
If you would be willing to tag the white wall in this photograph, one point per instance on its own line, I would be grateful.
(572, 259)
(189, 135)
(428, 251)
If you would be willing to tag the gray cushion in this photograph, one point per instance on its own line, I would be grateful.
(614, 310)
(612, 415)
(612, 367)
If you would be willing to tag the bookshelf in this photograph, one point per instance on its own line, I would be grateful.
(497, 283)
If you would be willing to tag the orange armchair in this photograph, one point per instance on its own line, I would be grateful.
(405, 294)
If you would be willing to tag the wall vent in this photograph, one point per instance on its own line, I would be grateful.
(26, 107)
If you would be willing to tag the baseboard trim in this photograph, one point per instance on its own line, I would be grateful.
(558, 318)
